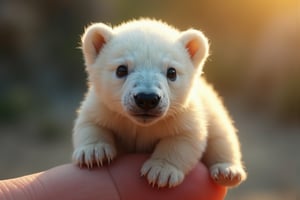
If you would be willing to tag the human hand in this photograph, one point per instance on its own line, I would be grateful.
(120, 180)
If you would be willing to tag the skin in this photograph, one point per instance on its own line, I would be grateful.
(119, 180)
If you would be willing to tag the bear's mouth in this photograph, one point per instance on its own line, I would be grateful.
(145, 115)
(144, 118)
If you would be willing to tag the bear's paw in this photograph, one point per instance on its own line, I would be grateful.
(94, 154)
(227, 174)
(162, 173)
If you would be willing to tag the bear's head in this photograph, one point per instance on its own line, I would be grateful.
(143, 69)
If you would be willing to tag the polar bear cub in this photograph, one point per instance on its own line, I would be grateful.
(146, 94)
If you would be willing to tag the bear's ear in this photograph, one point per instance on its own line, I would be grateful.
(196, 45)
(93, 39)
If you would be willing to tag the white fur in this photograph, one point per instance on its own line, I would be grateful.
(191, 122)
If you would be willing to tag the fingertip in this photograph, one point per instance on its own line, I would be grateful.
(196, 186)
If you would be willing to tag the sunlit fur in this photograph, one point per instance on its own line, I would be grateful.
(191, 122)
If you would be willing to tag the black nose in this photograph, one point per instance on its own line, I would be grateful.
(146, 101)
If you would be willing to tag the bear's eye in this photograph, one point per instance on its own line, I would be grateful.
(122, 71)
(171, 74)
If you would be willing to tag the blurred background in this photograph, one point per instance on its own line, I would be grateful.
(254, 64)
